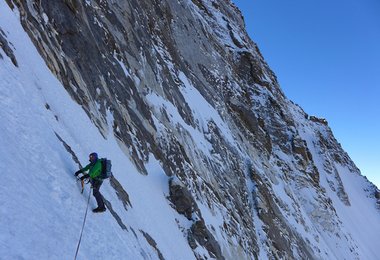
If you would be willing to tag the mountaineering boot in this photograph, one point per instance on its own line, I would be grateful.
(98, 209)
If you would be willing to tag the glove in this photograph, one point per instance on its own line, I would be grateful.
(84, 177)
(77, 173)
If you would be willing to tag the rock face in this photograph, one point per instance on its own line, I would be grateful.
(7, 50)
(184, 83)
(182, 200)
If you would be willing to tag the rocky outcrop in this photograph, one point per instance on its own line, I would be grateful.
(6, 48)
(153, 244)
(199, 234)
(182, 199)
(318, 120)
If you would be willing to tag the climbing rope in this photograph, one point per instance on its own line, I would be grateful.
(84, 222)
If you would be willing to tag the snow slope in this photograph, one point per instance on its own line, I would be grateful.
(360, 219)
(41, 207)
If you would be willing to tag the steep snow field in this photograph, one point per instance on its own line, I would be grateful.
(41, 208)
(359, 221)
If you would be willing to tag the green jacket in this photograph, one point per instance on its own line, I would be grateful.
(94, 169)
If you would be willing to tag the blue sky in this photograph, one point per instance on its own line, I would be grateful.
(326, 55)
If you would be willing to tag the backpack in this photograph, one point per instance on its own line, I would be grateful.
(106, 169)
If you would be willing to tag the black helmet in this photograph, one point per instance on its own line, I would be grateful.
(93, 157)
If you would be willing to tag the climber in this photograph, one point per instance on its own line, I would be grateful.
(95, 169)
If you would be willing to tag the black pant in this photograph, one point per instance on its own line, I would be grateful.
(99, 198)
